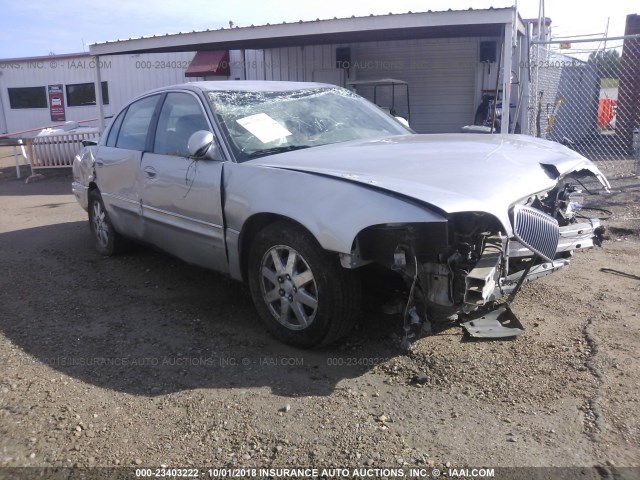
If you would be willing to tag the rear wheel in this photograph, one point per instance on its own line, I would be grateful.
(108, 242)
(302, 294)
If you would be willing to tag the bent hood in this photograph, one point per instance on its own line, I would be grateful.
(454, 172)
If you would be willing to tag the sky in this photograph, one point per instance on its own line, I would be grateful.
(68, 26)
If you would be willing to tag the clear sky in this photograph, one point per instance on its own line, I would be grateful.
(36, 27)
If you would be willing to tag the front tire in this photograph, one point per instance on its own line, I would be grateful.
(303, 295)
(108, 242)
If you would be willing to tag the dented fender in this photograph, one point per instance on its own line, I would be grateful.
(334, 211)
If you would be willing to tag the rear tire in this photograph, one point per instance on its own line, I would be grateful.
(303, 295)
(108, 242)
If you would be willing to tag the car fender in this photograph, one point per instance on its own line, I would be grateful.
(333, 210)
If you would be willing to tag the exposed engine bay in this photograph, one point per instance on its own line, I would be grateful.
(468, 270)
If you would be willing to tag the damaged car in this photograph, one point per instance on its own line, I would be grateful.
(302, 190)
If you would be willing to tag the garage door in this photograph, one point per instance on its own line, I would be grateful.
(441, 76)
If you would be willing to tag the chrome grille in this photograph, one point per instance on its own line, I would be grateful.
(536, 230)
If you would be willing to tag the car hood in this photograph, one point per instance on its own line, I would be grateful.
(453, 172)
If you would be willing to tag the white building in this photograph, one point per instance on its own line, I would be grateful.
(449, 60)
(25, 83)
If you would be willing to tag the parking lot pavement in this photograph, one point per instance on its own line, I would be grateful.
(143, 360)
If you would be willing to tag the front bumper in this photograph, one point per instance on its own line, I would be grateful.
(572, 237)
(487, 283)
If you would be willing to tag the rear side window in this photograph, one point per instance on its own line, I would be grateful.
(115, 128)
(135, 125)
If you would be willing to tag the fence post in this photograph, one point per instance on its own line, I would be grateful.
(99, 99)
(506, 78)
(15, 157)
(636, 148)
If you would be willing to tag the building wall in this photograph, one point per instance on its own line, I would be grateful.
(442, 74)
(126, 76)
(577, 86)
(294, 64)
(577, 116)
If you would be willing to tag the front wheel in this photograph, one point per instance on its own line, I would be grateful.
(302, 294)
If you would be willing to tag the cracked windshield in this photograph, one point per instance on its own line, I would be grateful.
(264, 123)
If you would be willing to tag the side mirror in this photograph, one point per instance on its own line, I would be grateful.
(402, 120)
(201, 145)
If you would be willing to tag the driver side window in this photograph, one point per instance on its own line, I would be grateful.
(181, 116)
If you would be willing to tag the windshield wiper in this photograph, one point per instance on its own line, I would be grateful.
(274, 150)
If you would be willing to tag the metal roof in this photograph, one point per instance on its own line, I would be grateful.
(44, 58)
(380, 82)
(449, 23)
(236, 86)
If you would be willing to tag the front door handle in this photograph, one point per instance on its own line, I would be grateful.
(150, 172)
(99, 163)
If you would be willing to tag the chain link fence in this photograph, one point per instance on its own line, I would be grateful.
(586, 95)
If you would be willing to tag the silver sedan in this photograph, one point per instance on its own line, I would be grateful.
(302, 189)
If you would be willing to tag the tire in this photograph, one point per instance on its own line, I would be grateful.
(302, 294)
(108, 242)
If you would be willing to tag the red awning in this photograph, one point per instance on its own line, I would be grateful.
(208, 63)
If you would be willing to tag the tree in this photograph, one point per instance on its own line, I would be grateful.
(607, 63)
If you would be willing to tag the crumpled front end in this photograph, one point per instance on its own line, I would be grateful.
(503, 262)
(469, 266)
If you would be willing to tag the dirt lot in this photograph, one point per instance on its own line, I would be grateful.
(141, 360)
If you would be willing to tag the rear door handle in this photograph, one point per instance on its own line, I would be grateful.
(150, 172)
(99, 163)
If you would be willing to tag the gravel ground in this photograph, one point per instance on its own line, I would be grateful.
(142, 360)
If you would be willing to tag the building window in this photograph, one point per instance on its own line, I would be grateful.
(82, 94)
(28, 97)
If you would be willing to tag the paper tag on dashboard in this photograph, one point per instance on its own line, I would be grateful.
(265, 128)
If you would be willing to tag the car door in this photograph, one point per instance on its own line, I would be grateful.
(117, 165)
(181, 203)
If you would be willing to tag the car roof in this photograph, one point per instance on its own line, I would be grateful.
(242, 86)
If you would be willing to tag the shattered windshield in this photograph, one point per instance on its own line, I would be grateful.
(264, 123)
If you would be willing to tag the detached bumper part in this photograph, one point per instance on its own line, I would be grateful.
(509, 283)
(498, 323)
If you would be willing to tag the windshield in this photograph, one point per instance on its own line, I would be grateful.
(264, 123)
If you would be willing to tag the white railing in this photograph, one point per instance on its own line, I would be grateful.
(56, 151)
